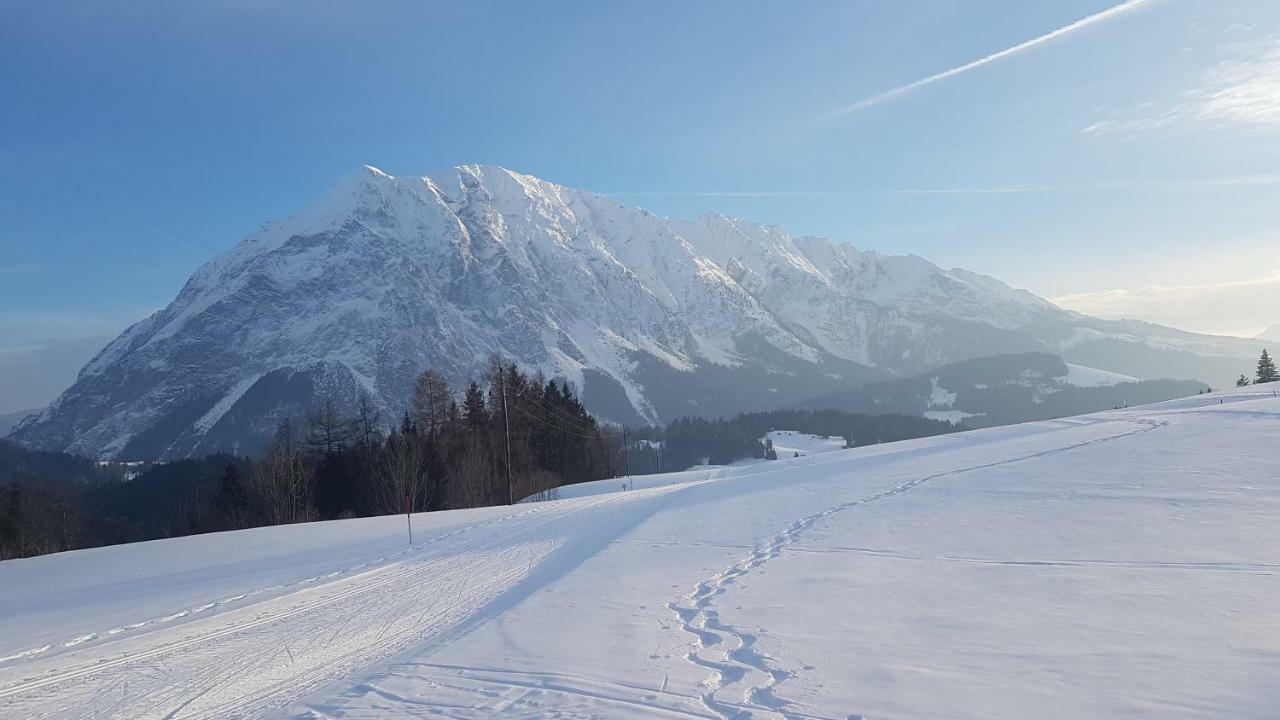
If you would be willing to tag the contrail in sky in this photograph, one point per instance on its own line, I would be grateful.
(904, 89)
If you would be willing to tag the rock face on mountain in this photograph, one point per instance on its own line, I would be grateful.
(650, 318)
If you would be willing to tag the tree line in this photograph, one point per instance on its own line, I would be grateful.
(694, 441)
(510, 435)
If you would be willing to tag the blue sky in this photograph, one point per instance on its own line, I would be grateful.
(1128, 164)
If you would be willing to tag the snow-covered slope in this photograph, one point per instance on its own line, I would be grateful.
(1121, 564)
(1004, 389)
(650, 318)
(1272, 333)
(787, 443)
(1083, 376)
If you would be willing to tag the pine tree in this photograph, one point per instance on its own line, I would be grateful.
(1242, 381)
(473, 408)
(232, 499)
(1266, 370)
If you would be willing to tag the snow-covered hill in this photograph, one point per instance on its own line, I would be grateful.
(1004, 389)
(787, 443)
(650, 318)
(1111, 565)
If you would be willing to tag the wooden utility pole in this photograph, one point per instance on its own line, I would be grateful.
(506, 428)
(626, 453)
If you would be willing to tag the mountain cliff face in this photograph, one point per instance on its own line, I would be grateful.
(650, 318)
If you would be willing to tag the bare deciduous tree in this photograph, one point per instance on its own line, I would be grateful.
(402, 483)
(431, 398)
(474, 476)
(538, 485)
(329, 433)
(367, 431)
(280, 484)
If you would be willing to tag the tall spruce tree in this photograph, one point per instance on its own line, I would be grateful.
(1266, 369)
(473, 408)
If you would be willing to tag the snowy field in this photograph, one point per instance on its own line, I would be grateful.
(1121, 564)
(787, 443)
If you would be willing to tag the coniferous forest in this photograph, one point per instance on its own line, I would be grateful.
(507, 437)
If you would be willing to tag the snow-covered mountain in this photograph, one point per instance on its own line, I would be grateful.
(1272, 333)
(650, 318)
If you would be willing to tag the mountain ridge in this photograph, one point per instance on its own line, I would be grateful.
(650, 318)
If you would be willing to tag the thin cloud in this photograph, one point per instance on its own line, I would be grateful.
(24, 329)
(725, 193)
(1243, 92)
(1108, 185)
(1241, 307)
(1228, 181)
(1007, 52)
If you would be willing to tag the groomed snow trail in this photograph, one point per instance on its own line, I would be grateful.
(743, 680)
(244, 662)
(1116, 564)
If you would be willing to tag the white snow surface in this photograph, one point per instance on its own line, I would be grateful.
(790, 442)
(951, 416)
(786, 442)
(1122, 564)
(940, 397)
(1084, 376)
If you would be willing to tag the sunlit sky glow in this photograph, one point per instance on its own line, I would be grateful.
(1122, 159)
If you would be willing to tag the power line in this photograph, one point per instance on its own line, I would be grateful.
(563, 414)
(88, 236)
(66, 180)
(567, 431)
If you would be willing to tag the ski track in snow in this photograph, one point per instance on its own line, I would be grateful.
(260, 651)
(744, 680)
(250, 660)
(268, 590)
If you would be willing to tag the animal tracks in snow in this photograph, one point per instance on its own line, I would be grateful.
(743, 681)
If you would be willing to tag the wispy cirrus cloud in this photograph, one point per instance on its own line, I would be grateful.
(1080, 24)
(1243, 92)
(1104, 185)
(21, 268)
(1241, 307)
(1088, 186)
